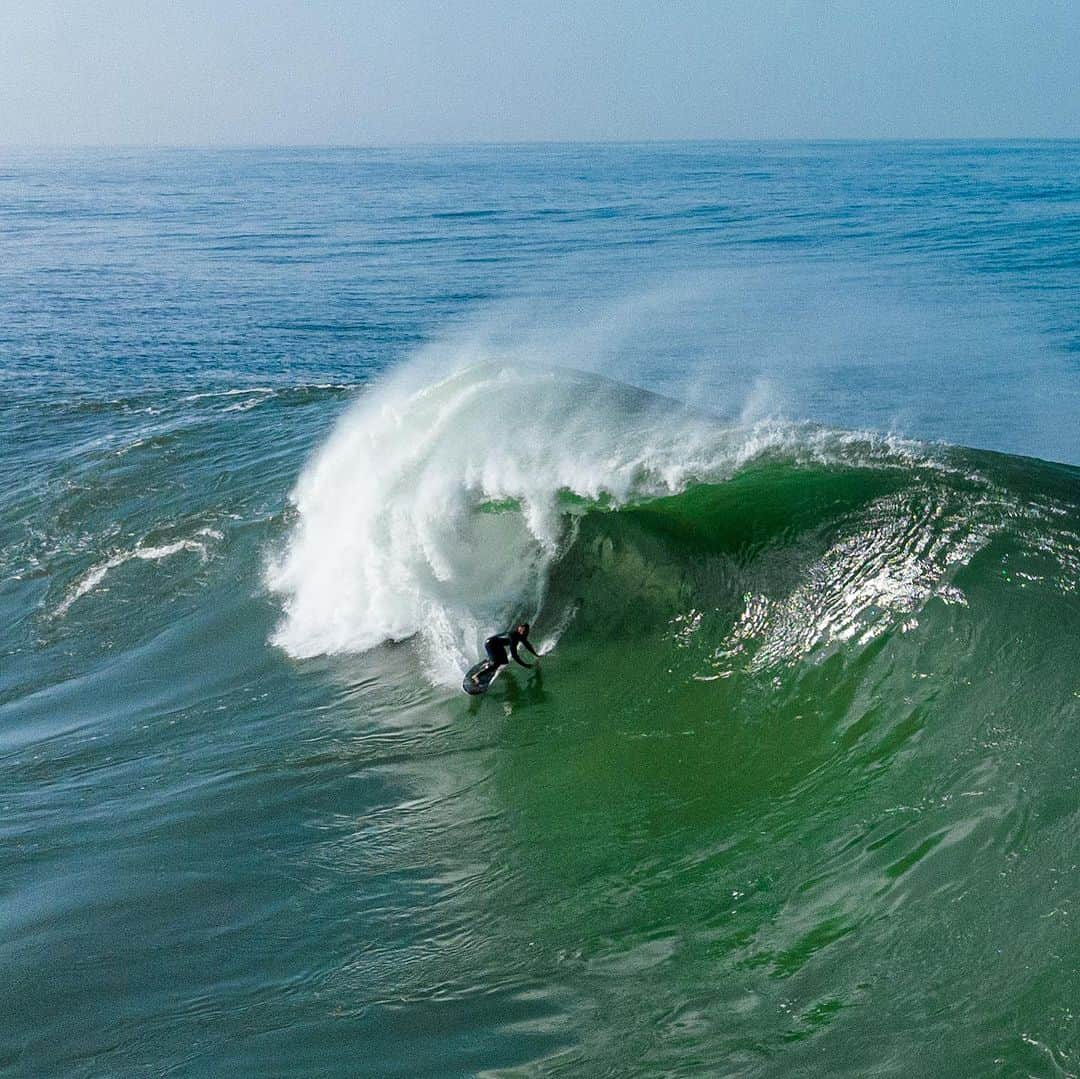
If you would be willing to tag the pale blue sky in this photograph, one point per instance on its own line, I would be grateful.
(390, 71)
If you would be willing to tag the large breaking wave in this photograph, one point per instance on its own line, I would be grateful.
(442, 508)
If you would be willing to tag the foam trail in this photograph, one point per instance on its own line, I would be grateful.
(94, 576)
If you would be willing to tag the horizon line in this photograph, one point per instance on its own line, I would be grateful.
(467, 143)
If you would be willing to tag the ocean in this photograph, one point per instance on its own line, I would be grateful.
(777, 447)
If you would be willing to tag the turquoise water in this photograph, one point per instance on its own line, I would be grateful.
(776, 444)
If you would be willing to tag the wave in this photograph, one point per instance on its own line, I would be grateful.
(442, 509)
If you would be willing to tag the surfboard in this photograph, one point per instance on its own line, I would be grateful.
(479, 677)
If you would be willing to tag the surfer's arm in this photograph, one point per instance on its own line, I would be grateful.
(530, 648)
(517, 658)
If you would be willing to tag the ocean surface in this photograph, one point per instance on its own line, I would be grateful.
(777, 446)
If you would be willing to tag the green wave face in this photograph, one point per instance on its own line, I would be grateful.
(792, 791)
(802, 763)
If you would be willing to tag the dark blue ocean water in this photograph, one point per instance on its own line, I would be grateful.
(930, 288)
(795, 792)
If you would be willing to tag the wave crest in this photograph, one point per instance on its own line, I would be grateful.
(437, 510)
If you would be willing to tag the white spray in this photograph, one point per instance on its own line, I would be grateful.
(436, 507)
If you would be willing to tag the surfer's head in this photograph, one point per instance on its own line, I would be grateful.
(522, 629)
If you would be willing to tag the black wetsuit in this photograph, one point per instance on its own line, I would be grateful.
(496, 648)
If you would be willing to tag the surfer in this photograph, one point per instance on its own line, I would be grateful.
(496, 647)
(478, 679)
